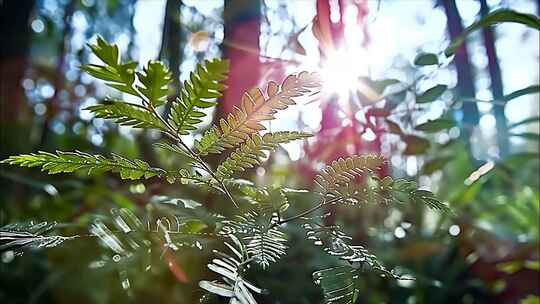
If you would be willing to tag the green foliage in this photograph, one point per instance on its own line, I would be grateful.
(19, 237)
(353, 181)
(435, 164)
(527, 135)
(337, 284)
(205, 84)
(525, 121)
(521, 92)
(423, 59)
(231, 268)
(67, 162)
(336, 243)
(435, 125)
(249, 152)
(495, 17)
(415, 145)
(342, 172)
(127, 114)
(120, 76)
(155, 78)
(265, 243)
(431, 94)
(257, 226)
(255, 108)
(132, 234)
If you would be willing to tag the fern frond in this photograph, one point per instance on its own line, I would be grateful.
(67, 162)
(132, 233)
(231, 269)
(336, 243)
(406, 192)
(249, 153)
(344, 171)
(265, 243)
(19, 237)
(338, 284)
(155, 79)
(204, 87)
(267, 199)
(134, 242)
(127, 114)
(353, 181)
(255, 108)
(120, 76)
(387, 190)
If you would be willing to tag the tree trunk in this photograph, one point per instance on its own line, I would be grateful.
(170, 46)
(242, 20)
(465, 86)
(15, 40)
(496, 84)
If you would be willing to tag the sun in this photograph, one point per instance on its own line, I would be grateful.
(341, 73)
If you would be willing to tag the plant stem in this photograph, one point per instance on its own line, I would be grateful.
(174, 134)
(306, 212)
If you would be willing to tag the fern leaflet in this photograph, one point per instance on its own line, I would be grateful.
(255, 108)
(155, 79)
(336, 243)
(353, 181)
(127, 114)
(338, 284)
(231, 269)
(20, 237)
(120, 76)
(204, 86)
(265, 243)
(66, 162)
(343, 171)
(249, 152)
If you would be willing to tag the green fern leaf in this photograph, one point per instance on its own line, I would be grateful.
(20, 237)
(108, 53)
(344, 171)
(249, 153)
(353, 181)
(120, 76)
(255, 108)
(338, 284)
(204, 87)
(264, 242)
(231, 268)
(268, 199)
(127, 114)
(155, 79)
(336, 243)
(406, 192)
(67, 162)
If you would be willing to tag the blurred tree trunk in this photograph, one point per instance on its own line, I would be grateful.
(465, 85)
(15, 39)
(496, 83)
(170, 45)
(242, 28)
(242, 19)
(14, 56)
